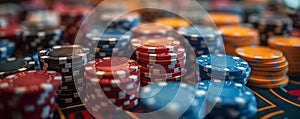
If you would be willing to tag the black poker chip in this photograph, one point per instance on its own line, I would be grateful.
(14, 65)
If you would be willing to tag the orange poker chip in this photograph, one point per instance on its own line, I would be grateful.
(285, 42)
(173, 22)
(272, 68)
(266, 80)
(280, 84)
(238, 31)
(222, 19)
(279, 62)
(259, 53)
(269, 73)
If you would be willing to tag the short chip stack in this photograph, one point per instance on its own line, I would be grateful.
(269, 66)
(223, 67)
(220, 19)
(203, 39)
(29, 94)
(271, 25)
(235, 100)
(7, 49)
(238, 36)
(41, 30)
(14, 65)
(290, 48)
(112, 83)
(68, 60)
(111, 42)
(160, 59)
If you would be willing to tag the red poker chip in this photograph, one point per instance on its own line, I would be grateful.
(156, 45)
(159, 70)
(146, 79)
(114, 67)
(163, 75)
(30, 82)
(113, 82)
(151, 29)
(161, 56)
(167, 62)
(10, 31)
(115, 100)
(107, 107)
(130, 87)
(166, 66)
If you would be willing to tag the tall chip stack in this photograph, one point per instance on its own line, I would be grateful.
(109, 43)
(36, 100)
(290, 48)
(219, 19)
(233, 69)
(271, 25)
(112, 83)
(69, 60)
(269, 66)
(41, 30)
(159, 58)
(238, 36)
(14, 65)
(235, 101)
(71, 16)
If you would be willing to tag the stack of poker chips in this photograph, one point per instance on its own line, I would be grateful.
(170, 100)
(220, 19)
(203, 39)
(11, 32)
(71, 16)
(159, 58)
(13, 65)
(238, 36)
(69, 60)
(7, 49)
(289, 46)
(235, 100)
(125, 22)
(224, 67)
(41, 30)
(269, 66)
(110, 43)
(271, 25)
(29, 94)
(112, 83)
(151, 30)
(173, 22)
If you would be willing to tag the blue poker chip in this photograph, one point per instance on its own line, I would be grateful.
(200, 33)
(7, 48)
(234, 95)
(232, 65)
(170, 97)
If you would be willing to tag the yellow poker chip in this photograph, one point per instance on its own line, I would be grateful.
(173, 22)
(259, 53)
(238, 31)
(285, 42)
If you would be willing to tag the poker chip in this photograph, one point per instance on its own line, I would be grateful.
(163, 75)
(111, 42)
(269, 25)
(38, 85)
(113, 70)
(15, 65)
(238, 36)
(289, 46)
(173, 22)
(221, 19)
(151, 30)
(171, 99)
(234, 68)
(112, 81)
(235, 98)
(203, 39)
(7, 49)
(266, 64)
(125, 22)
(163, 62)
(69, 61)
(162, 56)
(150, 45)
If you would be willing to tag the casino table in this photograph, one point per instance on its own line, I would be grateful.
(272, 104)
